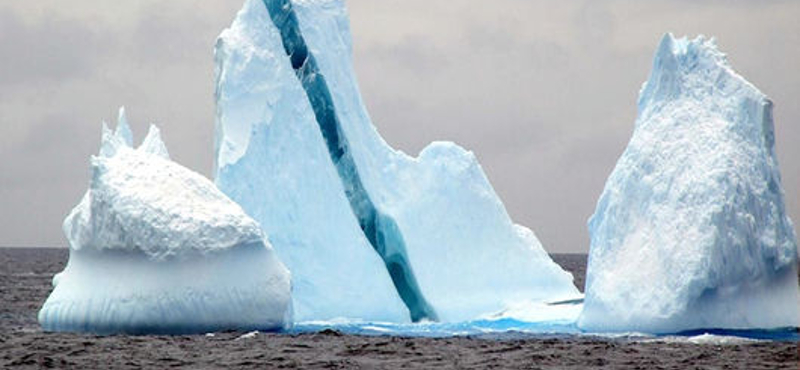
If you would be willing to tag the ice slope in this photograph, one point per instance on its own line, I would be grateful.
(271, 158)
(691, 231)
(157, 248)
(451, 249)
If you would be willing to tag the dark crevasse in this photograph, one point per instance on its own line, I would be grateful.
(381, 230)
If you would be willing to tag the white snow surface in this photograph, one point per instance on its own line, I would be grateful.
(691, 230)
(271, 158)
(468, 257)
(157, 248)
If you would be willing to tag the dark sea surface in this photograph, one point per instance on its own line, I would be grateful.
(25, 276)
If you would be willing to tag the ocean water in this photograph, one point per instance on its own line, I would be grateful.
(25, 276)
(27, 272)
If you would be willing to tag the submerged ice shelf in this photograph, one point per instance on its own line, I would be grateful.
(510, 328)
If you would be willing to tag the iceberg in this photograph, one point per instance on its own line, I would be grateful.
(271, 158)
(348, 214)
(691, 231)
(156, 248)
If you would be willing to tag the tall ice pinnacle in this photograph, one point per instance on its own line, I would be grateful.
(691, 231)
(296, 147)
(380, 229)
(273, 160)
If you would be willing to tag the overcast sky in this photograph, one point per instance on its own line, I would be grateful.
(544, 92)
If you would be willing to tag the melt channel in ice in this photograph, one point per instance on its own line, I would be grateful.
(157, 248)
(356, 221)
(691, 230)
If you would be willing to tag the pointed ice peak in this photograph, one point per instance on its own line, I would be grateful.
(123, 129)
(105, 130)
(684, 53)
(696, 69)
(109, 142)
(665, 54)
(123, 137)
(153, 144)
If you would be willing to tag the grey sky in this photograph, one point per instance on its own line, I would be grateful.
(543, 92)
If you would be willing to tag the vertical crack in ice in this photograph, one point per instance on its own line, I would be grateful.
(381, 230)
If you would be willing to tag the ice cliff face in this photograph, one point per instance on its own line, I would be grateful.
(156, 248)
(691, 231)
(296, 147)
(272, 159)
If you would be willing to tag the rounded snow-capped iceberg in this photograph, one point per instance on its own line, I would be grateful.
(691, 231)
(156, 248)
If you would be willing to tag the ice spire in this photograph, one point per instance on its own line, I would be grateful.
(123, 129)
(110, 142)
(153, 144)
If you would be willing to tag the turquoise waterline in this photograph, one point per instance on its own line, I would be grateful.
(778, 334)
(512, 328)
(441, 330)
